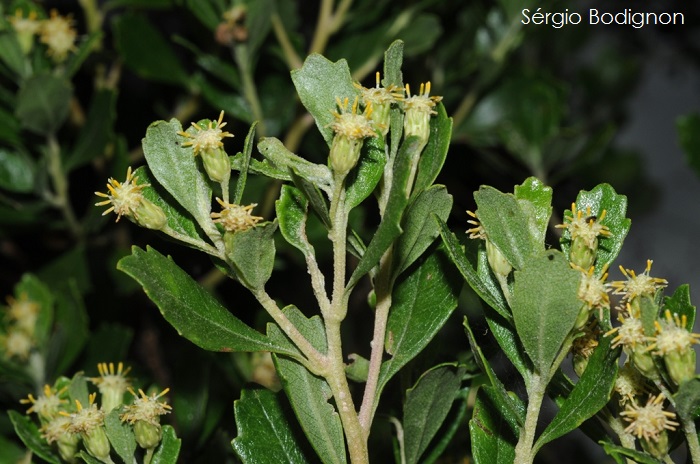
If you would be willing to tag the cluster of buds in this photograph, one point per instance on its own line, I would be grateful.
(585, 233)
(18, 338)
(56, 33)
(67, 424)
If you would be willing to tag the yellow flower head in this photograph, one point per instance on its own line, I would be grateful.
(587, 228)
(206, 139)
(629, 384)
(349, 123)
(124, 197)
(55, 429)
(29, 25)
(585, 344)
(478, 230)
(629, 334)
(672, 335)
(421, 102)
(17, 344)
(85, 420)
(146, 408)
(379, 95)
(593, 290)
(58, 34)
(112, 383)
(236, 218)
(23, 313)
(48, 404)
(638, 285)
(650, 420)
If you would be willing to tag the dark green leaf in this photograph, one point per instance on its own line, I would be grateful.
(28, 432)
(17, 171)
(637, 456)
(687, 399)
(97, 131)
(309, 394)
(452, 425)
(390, 226)
(257, 21)
(253, 253)
(688, 128)
(590, 395)
(649, 312)
(274, 151)
(493, 437)
(679, 303)
(420, 227)
(602, 198)
(108, 341)
(264, 434)
(361, 181)
(151, 4)
(169, 448)
(545, 306)
(264, 168)
(11, 54)
(70, 331)
(488, 292)
(393, 60)
(426, 406)
(86, 45)
(175, 168)
(315, 197)
(292, 213)
(433, 157)
(43, 102)
(9, 128)
(10, 451)
(207, 12)
(191, 310)
(121, 436)
(319, 83)
(88, 459)
(504, 333)
(535, 199)
(245, 164)
(421, 304)
(146, 52)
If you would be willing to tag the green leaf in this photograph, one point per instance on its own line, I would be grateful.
(421, 304)
(97, 131)
(264, 168)
(88, 459)
(309, 394)
(420, 227)
(169, 448)
(602, 197)
(175, 168)
(189, 308)
(688, 128)
(10, 451)
(78, 390)
(679, 303)
(319, 83)
(274, 151)
(590, 395)
(178, 219)
(493, 438)
(315, 197)
(86, 46)
(361, 181)
(11, 53)
(426, 406)
(511, 407)
(17, 171)
(264, 434)
(245, 164)
(34, 290)
(257, 22)
(687, 399)
(393, 60)
(70, 331)
(390, 226)
(637, 456)
(535, 199)
(545, 306)
(43, 102)
(121, 436)
(433, 157)
(486, 290)
(506, 225)
(292, 212)
(506, 337)
(28, 432)
(252, 251)
(146, 52)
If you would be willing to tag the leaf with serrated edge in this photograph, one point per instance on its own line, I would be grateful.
(426, 406)
(602, 197)
(545, 306)
(590, 395)
(535, 199)
(492, 437)
(175, 168)
(319, 83)
(679, 303)
(264, 434)
(189, 308)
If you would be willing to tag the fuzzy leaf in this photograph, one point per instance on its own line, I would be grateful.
(363, 179)
(602, 197)
(420, 227)
(175, 168)
(17, 171)
(245, 164)
(687, 399)
(189, 308)
(315, 197)
(433, 157)
(535, 199)
(275, 152)
(264, 434)
(120, 435)
(319, 83)
(253, 253)
(636, 456)
(43, 103)
(590, 395)
(506, 337)
(28, 432)
(426, 406)
(492, 436)
(545, 306)
(292, 213)
(506, 225)
(169, 448)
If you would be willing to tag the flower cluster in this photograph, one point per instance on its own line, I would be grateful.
(127, 199)
(584, 234)
(57, 33)
(235, 218)
(206, 139)
(18, 338)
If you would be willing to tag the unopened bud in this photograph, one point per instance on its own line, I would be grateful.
(658, 446)
(149, 215)
(217, 165)
(147, 435)
(345, 152)
(499, 264)
(96, 443)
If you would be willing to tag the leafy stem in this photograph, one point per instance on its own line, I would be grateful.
(524, 451)
(691, 435)
(59, 179)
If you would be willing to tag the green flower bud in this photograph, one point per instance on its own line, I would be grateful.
(644, 362)
(345, 152)
(149, 215)
(499, 264)
(580, 364)
(147, 435)
(658, 447)
(584, 233)
(68, 446)
(350, 130)
(217, 165)
(680, 365)
(418, 110)
(96, 443)
(581, 254)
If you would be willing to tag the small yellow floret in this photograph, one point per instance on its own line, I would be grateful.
(650, 420)
(350, 124)
(58, 34)
(422, 101)
(47, 405)
(236, 218)
(203, 140)
(637, 285)
(588, 228)
(85, 419)
(146, 408)
(476, 232)
(672, 335)
(124, 197)
(629, 334)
